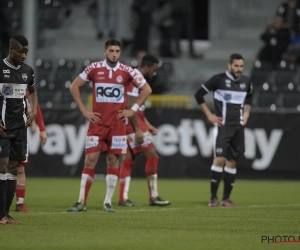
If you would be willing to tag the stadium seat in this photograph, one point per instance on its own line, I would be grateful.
(268, 100)
(44, 73)
(262, 72)
(285, 75)
(65, 74)
(291, 100)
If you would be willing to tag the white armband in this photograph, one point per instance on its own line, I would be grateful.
(135, 107)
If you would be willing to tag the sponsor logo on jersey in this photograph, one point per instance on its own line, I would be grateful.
(219, 151)
(119, 79)
(91, 141)
(119, 142)
(228, 83)
(242, 85)
(107, 92)
(6, 76)
(24, 76)
(7, 90)
(100, 73)
(227, 97)
(6, 71)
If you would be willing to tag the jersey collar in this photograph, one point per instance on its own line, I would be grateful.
(10, 65)
(231, 77)
(110, 68)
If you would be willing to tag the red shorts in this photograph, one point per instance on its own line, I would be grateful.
(140, 148)
(110, 139)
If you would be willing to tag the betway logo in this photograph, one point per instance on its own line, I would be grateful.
(68, 141)
(171, 140)
(60, 138)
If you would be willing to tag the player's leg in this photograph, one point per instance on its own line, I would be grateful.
(125, 178)
(20, 189)
(151, 175)
(229, 178)
(18, 151)
(235, 151)
(87, 178)
(95, 144)
(222, 139)
(3, 187)
(12, 173)
(111, 180)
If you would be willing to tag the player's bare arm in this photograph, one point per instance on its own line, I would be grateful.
(139, 137)
(33, 100)
(246, 115)
(151, 128)
(210, 116)
(75, 92)
(145, 91)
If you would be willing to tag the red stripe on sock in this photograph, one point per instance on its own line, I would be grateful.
(113, 171)
(89, 171)
(151, 166)
(20, 191)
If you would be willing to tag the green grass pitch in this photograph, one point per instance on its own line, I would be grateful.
(266, 208)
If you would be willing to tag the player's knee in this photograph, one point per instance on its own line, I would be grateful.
(219, 161)
(13, 168)
(3, 165)
(112, 160)
(21, 169)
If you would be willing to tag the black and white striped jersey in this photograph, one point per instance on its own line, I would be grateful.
(13, 85)
(230, 95)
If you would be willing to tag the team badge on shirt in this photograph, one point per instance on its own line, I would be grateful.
(119, 79)
(242, 85)
(24, 76)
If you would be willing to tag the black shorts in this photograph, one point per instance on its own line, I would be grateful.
(230, 142)
(14, 145)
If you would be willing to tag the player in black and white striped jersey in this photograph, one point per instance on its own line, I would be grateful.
(232, 94)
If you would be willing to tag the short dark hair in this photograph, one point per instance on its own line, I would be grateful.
(20, 39)
(112, 42)
(148, 60)
(235, 56)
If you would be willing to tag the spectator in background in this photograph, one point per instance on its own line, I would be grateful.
(4, 30)
(290, 13)
(276, 39)
(183, 18)
(163, 21)
(106, 18)
(142, 12)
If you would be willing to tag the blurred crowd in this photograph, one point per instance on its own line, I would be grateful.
(282, 37)
(172, 19)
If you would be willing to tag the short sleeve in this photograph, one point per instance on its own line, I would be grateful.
(86, 73)
(138, 79)
(212, 84)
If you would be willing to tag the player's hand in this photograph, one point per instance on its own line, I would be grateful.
(92, 116)
(139, 136)
(30, 118)
(43, 138)
(215, 119)
(1, 129)
(125, 113)
(33, 127)
(152, 130)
